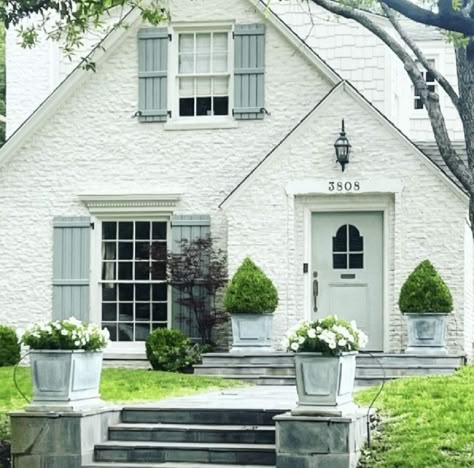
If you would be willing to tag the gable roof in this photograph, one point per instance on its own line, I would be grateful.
(431, 163)
(41, 114)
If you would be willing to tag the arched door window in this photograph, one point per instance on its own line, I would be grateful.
(347, 248)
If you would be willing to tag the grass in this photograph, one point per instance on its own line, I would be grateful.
(117, 385)
(426, 422)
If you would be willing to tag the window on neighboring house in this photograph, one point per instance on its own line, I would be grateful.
(134, 291)
(430, 81)
(203, 78)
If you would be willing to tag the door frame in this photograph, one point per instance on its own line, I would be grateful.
(323, 204)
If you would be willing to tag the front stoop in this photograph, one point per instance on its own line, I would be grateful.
(278, 368)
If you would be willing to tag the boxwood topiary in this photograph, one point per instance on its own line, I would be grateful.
(250, 291)
(9, 347)
(424, 291)
(170, 350)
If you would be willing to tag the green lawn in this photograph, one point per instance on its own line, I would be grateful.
(117, 385)
(426, 422)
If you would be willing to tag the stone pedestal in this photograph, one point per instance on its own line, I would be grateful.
(320, 442)
(59, 440)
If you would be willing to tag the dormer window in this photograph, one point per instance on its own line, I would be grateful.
(430, 81)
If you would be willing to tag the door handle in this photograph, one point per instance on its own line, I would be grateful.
(315, 290)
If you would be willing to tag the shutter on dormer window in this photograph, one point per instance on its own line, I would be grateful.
(153, 74)
(249, 71)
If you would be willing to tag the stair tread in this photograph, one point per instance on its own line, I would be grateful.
(167, 465)
(196, 409)
(189, 427)
(406, 366)
(250, 364)
(185, 445)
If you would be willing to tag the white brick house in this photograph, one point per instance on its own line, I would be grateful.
(159, 144)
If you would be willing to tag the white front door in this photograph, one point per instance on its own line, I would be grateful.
(347, 262)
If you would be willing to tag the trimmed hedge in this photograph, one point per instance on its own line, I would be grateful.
(10, 350)
(424, 291)
(250, 291)
(170, 350)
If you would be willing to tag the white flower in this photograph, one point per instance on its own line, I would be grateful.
(301, 340)
(47, 329)
(294, 346)
(77, 343)
(363, 339)
(64, 332)
(332, 344)
(311, 333)
(342, 342)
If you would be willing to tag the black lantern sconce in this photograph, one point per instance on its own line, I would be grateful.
(343, 148)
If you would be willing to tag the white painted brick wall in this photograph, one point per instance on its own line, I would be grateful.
(427, 220)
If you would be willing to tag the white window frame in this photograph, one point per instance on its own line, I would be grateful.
(176, 122)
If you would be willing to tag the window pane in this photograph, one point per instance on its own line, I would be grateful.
(220, 86)
(203, 43)
(339, 243)
(126, 230)
(219, 63)
(109, 312)
(186, 63)
(109, 292)
(203, 106)
(221, 106)
(109, 230)
(429, 77)
(186, 43)
(158, 251)
(125, 312)
(158, 271)
(142, 230)
(186, 87)
(186, 107)
(142, 250)
(142, 292)
(142, 330)
(125, 271)
(108, 271)
(356, 261)
(203, 86)
(158, 325)
(142, 312)
(160, 292)
(112, 327)
(125, 250)
(125, 332)
(126, 292)
(160, 312)
(339, 261)
(142, 271)
(356, 241)
(203, 63)
(159, 230)
(108, 250)
(220, 42)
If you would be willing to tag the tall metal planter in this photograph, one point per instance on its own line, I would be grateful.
(65, 380)
(426, 333)
(325, 384)
(251, 332)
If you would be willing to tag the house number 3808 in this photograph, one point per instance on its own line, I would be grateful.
(344, 186)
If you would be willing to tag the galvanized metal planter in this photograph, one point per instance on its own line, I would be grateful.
(325, 383)
(251, 332)
(65, 380)
(427, 333)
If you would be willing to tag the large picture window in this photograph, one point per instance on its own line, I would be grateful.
(203, 74)
(134, 291)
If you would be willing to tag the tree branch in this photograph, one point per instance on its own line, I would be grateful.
(446, 19)
(444, 83)
(430, 100)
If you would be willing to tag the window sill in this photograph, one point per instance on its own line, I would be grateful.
(195, 125)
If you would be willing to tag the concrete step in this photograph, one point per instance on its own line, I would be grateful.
(186, 452)
(454, 361)
(126, 364)
(246, 369)
(201, 416)
(168, 465)
(193, 433)
(395, 371)
(248, 358)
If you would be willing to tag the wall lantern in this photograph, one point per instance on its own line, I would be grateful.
(343, 148)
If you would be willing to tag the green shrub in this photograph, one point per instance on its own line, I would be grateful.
(170, 350)
(9, 347)
(425, 291)
(250, 291)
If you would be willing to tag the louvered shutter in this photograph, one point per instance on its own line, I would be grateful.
(186, 227)
(249, 71)
(153, 74)
(71, 251)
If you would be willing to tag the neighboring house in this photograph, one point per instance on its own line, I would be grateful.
(222, 121)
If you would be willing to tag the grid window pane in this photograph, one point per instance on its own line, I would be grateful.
(125, 332)
(143, 230)
(142, 331)
(109, 311)
(125, 250)
(125, 292)
(142, 312)
(159, 231)
(160, 292)
(109, 230)
(142, 271)
(126, 312)
(109, 292)
(112, 327)
(142, 292)
(125, 271)
(126, 230)
(160, 312)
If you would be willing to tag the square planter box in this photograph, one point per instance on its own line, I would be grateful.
(65, 380)
(251, 332)
(426, 333)
(325, 383)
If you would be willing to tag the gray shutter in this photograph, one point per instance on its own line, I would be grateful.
(71, 250)
(186, 227)
(153, 74)
(249, 71)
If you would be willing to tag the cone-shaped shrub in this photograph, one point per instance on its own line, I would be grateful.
(9, 347)
(425, 291)
(250, 291)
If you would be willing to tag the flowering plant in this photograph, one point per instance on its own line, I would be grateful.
(66, 334)
(329, 335)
